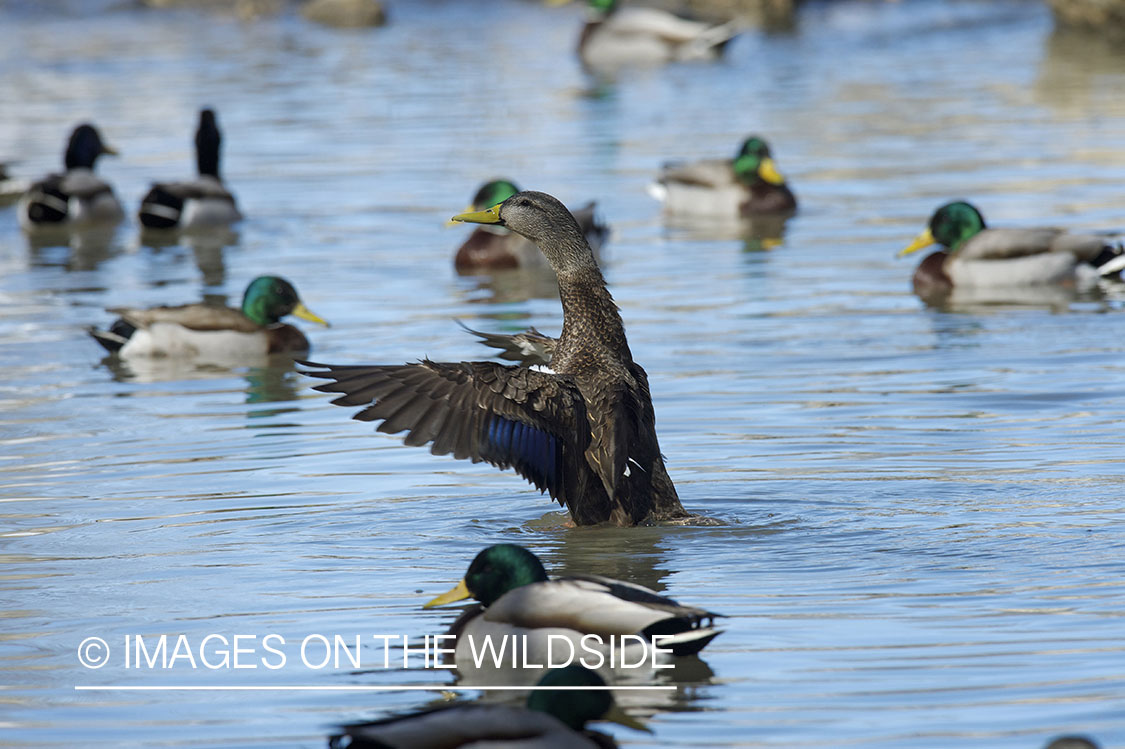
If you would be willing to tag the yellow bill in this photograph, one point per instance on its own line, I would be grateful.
(109, 150)
(767, 170)
(453, 221)
(459, 593)
(491, 216)
(620, 717)
(925, 239)
(305, 313)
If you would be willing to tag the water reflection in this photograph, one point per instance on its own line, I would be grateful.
(207, 247)
(756, 233)
(1080, 73)
(73, 249)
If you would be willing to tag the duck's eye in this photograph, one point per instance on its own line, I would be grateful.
(524, 202)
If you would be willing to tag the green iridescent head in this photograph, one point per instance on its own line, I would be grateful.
(754, 163)
(494, 572)
(491, 193)
(951, 226)
(270, 298)
(577, 707)
(604, 7)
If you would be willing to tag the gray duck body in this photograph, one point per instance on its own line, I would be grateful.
(583, 430)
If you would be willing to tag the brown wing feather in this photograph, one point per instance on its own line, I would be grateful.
(511, 417)
(530, 347)
(191, 316)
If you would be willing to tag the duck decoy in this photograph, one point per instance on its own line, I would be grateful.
(516, 597)
(76, 197)
(199, 203)
(582, 429)
(615, 36)
(491, 247)
(977, 256)
(555, 717)
(209, 331)
(746, 186)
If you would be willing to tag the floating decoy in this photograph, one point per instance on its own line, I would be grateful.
(746, 186)
(582, 429)
(76, 197)
(977, 256)
(199, 203)
(554, 718)
(516, 597)
(208, 331)
(615, 36)
(491, 248)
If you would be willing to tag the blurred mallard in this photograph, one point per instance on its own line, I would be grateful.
(517, 598)
(492, 247)
(743, 187)
(198, 203)
(582, 429)
(209, 331)
(554, 718)
(634, 35)
(77, 197)
(976, 256)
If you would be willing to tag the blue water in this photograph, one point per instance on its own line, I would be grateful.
(923, 540)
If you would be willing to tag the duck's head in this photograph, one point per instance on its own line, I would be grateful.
(208, 139)
(492, 193)
(951, 226)
(577, 707)
(494, 572)
(270, 298)
(546, 222)
(489, 194)
(754, 163)
(84, 148)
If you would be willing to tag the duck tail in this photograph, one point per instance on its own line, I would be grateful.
(689, 642)
(716, 37)
(47, 204)
(657, 191)
(160, 209)
(1110, 261)
(113, 339)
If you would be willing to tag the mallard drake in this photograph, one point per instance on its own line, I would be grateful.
(553, 718)
(614, 36)
(583, 429)
(516, 597)
(491, 248)
(976, 256)
(77, 197)
(200, 203)
(746, 186)
(207, 331)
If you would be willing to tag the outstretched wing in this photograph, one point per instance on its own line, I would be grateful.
(511, 417)
(530, 347)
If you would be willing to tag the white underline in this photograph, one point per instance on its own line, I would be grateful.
(304, 688)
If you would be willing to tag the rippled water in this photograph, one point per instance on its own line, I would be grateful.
(923, 536)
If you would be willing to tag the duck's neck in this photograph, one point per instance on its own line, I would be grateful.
(592, 331)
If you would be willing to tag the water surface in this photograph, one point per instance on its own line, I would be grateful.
(922, 540)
